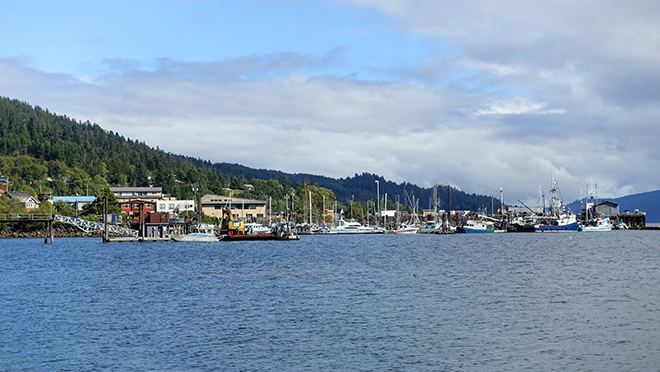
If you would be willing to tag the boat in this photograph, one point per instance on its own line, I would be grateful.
(563, 223)
(350, 227)
(202, 233)
(406, 229)
(236, 230)
(558, 220)
(281, 231)
(257, 228)
(472, 226)
(431, 227)
(593, 222)
(600, 224)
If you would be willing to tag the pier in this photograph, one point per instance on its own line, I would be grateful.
(46, 219)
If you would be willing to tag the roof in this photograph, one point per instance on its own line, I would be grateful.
(20, 195)
(607, 202)
(233, 201)
(75, 198)
(137, 189)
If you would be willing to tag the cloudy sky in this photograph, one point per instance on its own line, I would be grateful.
(477, 94)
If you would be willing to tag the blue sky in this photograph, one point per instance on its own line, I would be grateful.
(79, 37)
(477, 94)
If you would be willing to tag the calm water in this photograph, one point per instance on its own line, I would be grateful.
(540, 302)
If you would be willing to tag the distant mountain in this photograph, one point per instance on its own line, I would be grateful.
(363, 187)
(648, 202)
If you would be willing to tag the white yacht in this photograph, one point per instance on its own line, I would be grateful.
(350, 227)
(257, 228)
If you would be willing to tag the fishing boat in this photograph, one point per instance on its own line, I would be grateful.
(431, 227)
(472, 226)
(202, 233)
(592, 221)
(558, 220)
(350, 227)
(600, 224)
(562, 223)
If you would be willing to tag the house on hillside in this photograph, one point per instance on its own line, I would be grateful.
(29, 202)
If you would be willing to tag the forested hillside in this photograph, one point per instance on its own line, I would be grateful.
(42, 150)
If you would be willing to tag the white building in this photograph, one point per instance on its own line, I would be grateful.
(172, 205)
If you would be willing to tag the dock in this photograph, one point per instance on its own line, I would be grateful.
(46, 219)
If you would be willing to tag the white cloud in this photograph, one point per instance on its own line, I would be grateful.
(526, 88)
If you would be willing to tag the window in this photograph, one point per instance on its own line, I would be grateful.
(171, 206)
(125, 206)
(148, 205)
(162, 206)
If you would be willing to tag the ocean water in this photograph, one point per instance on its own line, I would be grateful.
(484, 302)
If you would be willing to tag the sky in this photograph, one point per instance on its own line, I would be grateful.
(482, 95)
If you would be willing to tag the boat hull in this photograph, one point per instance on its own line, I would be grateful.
(194, 238)
(571, 227)
(471, 230)
(244, 237)
(597, 228)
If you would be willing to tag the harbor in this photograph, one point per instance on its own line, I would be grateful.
(220, 218)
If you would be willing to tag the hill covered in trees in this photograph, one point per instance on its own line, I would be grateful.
(41, 151)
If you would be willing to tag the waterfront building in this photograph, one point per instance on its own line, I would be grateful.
(172, 205)
(241, 209)
(150, 194)
(136, 200)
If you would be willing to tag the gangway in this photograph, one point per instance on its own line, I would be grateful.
(91, 226)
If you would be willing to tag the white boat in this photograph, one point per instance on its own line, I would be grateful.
(406, 229)
(256, 228)
(350, 227)
(601, 224)
(203, 233)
